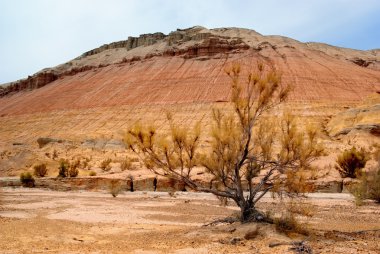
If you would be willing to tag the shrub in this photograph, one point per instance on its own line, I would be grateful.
(63, 168)
(92, 173)
(288, 223)
(105, 165)
(27, 179)
(351, 162)
(73, 172)
(126, 164)
(40, 170)
(373, 184)
(73, 169)
(115, 188)
(367, 188)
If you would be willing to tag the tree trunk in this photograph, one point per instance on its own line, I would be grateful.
(249, 213)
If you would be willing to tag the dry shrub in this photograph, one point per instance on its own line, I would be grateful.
(73, 168)
(63, 168)
(367, 188)
(115, 188)
(351, 162)
(297, 183)
(86, 162)
(105, 165)
(373, 184)
(288, 224)
(40, 170)
(27, 179)
(92, 173)
(126, 164)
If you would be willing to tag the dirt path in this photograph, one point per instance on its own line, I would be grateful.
(42, 221)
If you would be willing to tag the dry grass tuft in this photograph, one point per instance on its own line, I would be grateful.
(288, 224)
(105, 165)
(40, 170)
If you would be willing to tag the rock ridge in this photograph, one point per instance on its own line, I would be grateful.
(205, 44)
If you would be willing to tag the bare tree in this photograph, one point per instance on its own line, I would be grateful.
(249, 154)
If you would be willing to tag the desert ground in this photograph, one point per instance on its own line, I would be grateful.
(45, 221)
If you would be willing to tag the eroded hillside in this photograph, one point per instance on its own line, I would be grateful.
(87, 103)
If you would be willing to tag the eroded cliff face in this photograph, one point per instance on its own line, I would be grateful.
(198, 43)
(318, 68)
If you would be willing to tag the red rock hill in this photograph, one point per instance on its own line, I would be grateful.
(188, 66)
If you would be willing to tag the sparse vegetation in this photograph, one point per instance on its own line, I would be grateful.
(368, 187)
(86, 163)
(351, 162)
(73, 168)
(40, 170)
(115, 188)
(242, 146)
(373, 185)
(126, 164)
(63, 168)
(27, 179)
(288, 224)
(73, 172)
(92, 173)
(105, 165)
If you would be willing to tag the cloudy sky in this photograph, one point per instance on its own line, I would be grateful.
(44, 33)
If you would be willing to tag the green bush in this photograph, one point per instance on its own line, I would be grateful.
(27, 179)
(351, 162)
(40, 170)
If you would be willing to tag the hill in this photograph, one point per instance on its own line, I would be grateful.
(82, 107)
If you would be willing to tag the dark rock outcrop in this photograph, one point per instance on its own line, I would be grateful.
(131, 43)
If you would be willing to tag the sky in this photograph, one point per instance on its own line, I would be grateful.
(44, 33)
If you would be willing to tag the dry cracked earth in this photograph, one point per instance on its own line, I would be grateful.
(43, 221)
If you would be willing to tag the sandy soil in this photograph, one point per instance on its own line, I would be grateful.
(42, 221)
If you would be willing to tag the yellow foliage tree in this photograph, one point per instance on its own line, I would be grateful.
(248, 156)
